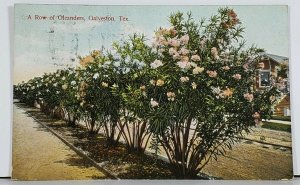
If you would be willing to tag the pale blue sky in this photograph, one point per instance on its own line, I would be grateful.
(41, 45)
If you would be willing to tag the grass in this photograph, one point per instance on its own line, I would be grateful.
(276, 126)
(282, 118)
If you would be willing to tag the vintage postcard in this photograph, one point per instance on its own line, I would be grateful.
(151, 92)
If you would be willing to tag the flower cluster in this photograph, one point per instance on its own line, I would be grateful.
(231, 20)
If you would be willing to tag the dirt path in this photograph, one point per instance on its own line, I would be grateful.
(252, 161)
(37, 154)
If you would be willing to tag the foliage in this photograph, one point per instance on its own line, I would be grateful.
(283, 118)
(277, 126)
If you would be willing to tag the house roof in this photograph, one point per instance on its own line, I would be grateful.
(276, 58)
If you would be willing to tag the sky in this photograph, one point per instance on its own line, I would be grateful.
(47, 45)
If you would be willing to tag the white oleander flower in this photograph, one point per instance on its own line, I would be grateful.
(184, 51)
(237, 76)
(155, 64)
(64, 87)
(194, 85)
(152, 82)
(171, 96)
(185, 39)
(184, 79)
(195, 58)
(183, 64)
(154, 103)
(96, 75)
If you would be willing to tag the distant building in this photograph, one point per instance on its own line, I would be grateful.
(270, 69)
(271, 65)
(283, 107)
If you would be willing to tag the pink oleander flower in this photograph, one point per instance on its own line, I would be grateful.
(154, 103)
(184, 64)
(172, 51)
(161, 50)
(185, 39)
(176, 56)
(248, 97)
(184, 79)
(184, 51)
(237, 76)
(160, 82)
(215, 53)
(155, 64)
(172, 31)
(226, 93)
(203, 42)
(171, 96)
(226, 68)
(246, 66)
(212, 74)
(174, 42)
(195, 58)
(198, 70)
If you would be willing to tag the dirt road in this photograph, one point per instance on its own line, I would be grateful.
(252, 161)
(37, 154)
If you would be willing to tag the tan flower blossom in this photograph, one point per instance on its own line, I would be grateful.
(226, 93)
(198, 70)
(171, 96)
(212, 74)
(160, 82)
(85, 61)
(104, 84)
(143, 88)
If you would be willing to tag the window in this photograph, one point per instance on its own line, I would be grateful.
(264, 78)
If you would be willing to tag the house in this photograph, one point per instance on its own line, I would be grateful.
(283, 107)
(270, 67)
(275, 68)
